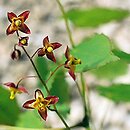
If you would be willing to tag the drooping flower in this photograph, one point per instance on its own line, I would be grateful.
(40, 103)
(14, 89)
(23, 41)
(71, 63)
(16, 54)
(48, 49)
(17, 23)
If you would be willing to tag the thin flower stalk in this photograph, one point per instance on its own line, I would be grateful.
(54, 72)
(66, 22)
(72, 43)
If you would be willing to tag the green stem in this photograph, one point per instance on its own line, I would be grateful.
(66, 23)
(83, 99)
(54, 72)
(25, 78)
(83, 91)
(72, 43)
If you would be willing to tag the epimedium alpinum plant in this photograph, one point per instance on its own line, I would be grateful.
(39, 103)
(89, 54)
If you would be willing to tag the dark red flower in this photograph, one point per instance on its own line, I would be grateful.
(48, 49)
(71, 62)
(40, 103)
(16, 54)
(17, 23)
(15, 89)
(23, 41)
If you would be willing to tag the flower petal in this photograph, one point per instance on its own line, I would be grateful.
(56, 45)
(10, 30)
(24, 15)
(53, 99)
(38, 94)
(41, 52)
(11, 15)
(23, 28)
(71, 72)
(10, 84)
(43, 113)
(46, 41)
(22, 89)
(29, 104)
(67, 53)
(51, 56)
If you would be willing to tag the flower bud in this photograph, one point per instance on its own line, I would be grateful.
(16, 54)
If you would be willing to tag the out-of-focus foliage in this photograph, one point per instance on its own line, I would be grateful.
(9, 109)
(122, 55)
(116, 92)
(61, 88)
(112, 70)
(30, 119)
(94, 17)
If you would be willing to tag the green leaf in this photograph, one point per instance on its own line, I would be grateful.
(108, 71)
(94, 52)
(18, 128)
(9, 110)
(116, 92)
(122, 55)
(60, 89)
(30, 119)
(42, 66)
(94, 17)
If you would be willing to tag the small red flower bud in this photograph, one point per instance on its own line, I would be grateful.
(16, 54)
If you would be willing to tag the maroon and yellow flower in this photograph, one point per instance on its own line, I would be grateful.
(15, 89)
(40, 103)
(71, 62)
(17, 23)
(23, 41)
(48, 49)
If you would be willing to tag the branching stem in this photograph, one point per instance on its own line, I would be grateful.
(54, 72)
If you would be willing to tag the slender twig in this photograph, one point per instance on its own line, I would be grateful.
(85, 91)
(83, 99)
(66, 23)
(25, 78)
(54, 72)
(35, 53)
(55, 109)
